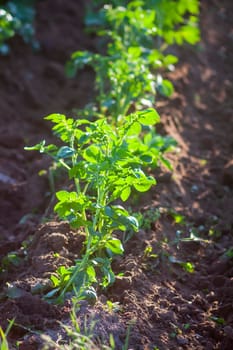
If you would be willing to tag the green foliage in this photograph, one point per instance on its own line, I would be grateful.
(123, 81)
(106, 159)
(16, 17)
(105, 165)
(141, 31)
(3, 336)
(147, 218)
(128, 75)
(85, 337)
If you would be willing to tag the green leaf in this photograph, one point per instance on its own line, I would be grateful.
(66, 196)
(55, 280)
(133, 223)
(65, 152)
(148, 116)
(79, 170)
(91, 273)
(38, 147)
(146, 158)
(55, 117)
(52, 293)
(90, 294)
(170, 59)
(115, 246)
(165, 87)
(134, 129)
(92, 154)
(125, 194)
(78, 60)
(144, 184)
(166, 163)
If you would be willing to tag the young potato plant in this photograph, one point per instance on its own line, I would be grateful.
(131, 72)
(130, 67)
(105, 165)
(170, 21)
(148, 27)
(123, 81)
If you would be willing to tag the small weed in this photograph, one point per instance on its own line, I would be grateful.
(150, 216)
(229, 253)
(3, 336)
(113, 306)
(83, 339)
(148, 253)
(178, 218)
(186, 265)
(218, 320)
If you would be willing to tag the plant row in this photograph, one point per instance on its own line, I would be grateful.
(110, 148)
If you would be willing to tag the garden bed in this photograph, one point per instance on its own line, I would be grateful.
(166, 305)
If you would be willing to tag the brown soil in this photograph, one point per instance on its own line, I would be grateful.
(166, 306)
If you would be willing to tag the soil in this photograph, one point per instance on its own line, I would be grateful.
(166, 306)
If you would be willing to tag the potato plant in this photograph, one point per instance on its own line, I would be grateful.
(150, 25)
(107, 155)
(129, 74)
(104, 167)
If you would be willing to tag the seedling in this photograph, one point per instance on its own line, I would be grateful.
(99, 160)
(186, 265)
(3, 336)
(148, 253)
(148, 217)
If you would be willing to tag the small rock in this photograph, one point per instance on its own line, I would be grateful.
(7, 179)
(181, 340)
(194, 189)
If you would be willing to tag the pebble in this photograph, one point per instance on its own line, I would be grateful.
(181, 340)
(7, 179)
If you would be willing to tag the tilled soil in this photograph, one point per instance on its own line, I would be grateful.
(165, 306)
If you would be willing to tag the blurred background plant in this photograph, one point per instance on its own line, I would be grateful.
(16, 18)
